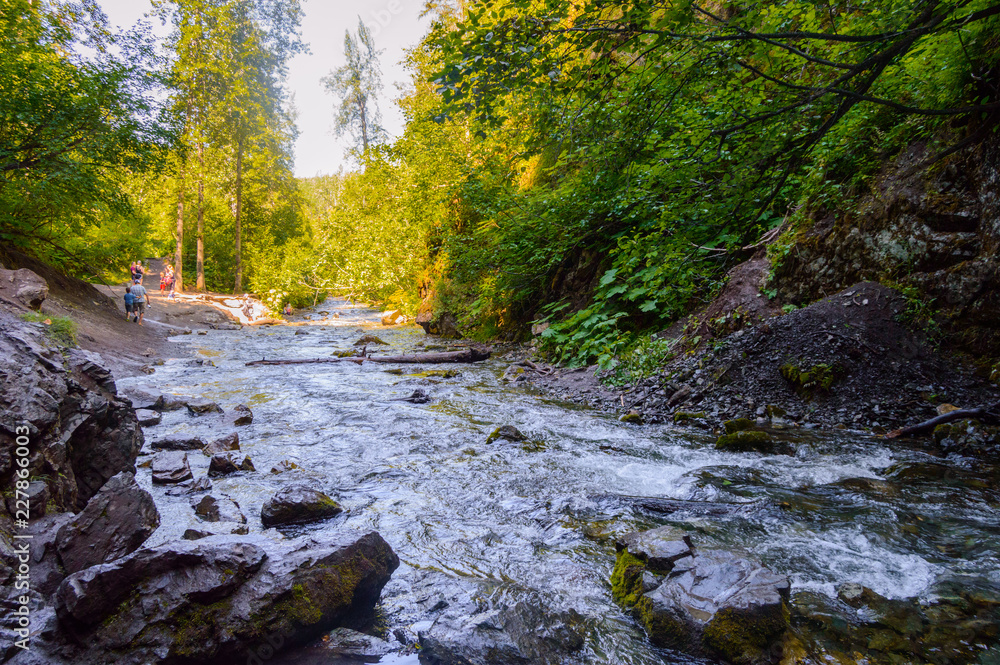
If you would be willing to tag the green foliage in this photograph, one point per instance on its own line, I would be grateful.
(657, 140)
(60, 328)
(79, 117)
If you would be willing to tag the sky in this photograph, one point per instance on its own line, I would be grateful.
(396, 27)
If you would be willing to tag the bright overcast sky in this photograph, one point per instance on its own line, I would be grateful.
(394, 23)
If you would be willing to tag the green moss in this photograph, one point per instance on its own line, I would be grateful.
(663, 628)
(684, 416)
(631, 417)
(745, 638)
(626, 579)
(744, 441)
(808, 381)
(60, 328)
(737, 425)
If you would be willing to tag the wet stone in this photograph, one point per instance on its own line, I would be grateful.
(218, 509)
(222, 465)
(171, 468)
(223, 445)
(203, 407)
(298, 504)
(247, 464)
(242, 415)
(178, 443)
(659, 548)
(202, 484)
(507, 433)
(148, 417)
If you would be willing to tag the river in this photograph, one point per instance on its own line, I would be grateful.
(538, 519)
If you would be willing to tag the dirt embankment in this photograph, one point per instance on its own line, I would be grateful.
(848, 360)
(98, 312)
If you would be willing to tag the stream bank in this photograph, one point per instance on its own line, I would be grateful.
(507, 548)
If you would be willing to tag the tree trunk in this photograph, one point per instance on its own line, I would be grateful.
(179, 252)
(364, 127)
(239, 211)
(200, 259)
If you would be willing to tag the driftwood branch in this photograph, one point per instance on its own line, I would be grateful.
(929, 425)
(464, 356)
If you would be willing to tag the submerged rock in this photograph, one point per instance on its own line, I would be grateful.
(298, 504)
(221, 509)
(507, 433)
(170, 468)
(708, 602)
(218, 599)
(745, 441)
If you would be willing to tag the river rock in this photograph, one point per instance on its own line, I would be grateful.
(194, 486)
(221, 509)
(170, 468)
(507, 433)
(222, 465)
(247, 464)
(223, 445)
(81, 432)
(143, 399)
(298, 504)
(242, 415)
(392, 318)
(178, 443)
(707, 602)
(494, 629)
(173, 402)
(148, 417)
(203, 406)
(117, 520)
(745, 441)
(220, 600)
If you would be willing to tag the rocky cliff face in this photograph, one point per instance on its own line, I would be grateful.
(80, 432)
(936, 228)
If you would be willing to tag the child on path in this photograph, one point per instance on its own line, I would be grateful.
(129, 302)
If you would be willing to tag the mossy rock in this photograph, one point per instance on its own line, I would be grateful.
(369, 339)
(745, 637)
(507, 433)
(809, 380)
(738, 425)
(626, 579)
(746, 441)
(685, 416)
(344, 354)
(632, 416)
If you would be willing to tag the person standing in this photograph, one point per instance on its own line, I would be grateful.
(139, 272)
(141, 300)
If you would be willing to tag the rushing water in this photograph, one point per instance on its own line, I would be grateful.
(541, 516)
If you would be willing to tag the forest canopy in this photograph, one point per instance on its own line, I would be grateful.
(594, 165)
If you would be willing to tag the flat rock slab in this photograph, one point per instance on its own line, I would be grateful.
(298, 504)
(148, 417)
(659, 548)
(170, 468)
(215, 599)
(178, 443)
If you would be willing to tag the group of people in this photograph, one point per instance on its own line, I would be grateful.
(167, 280)
(136, 295)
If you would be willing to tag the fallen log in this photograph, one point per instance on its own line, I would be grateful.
(464, 356)
(929, 425)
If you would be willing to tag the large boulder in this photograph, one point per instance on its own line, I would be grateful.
(223, 445)
(298, 504)
(116, 521)
(707, 602)
(220, 600)
(23, 287)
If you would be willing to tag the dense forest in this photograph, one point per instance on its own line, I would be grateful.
(596, 166)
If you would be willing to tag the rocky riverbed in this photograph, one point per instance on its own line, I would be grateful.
(215, 512)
